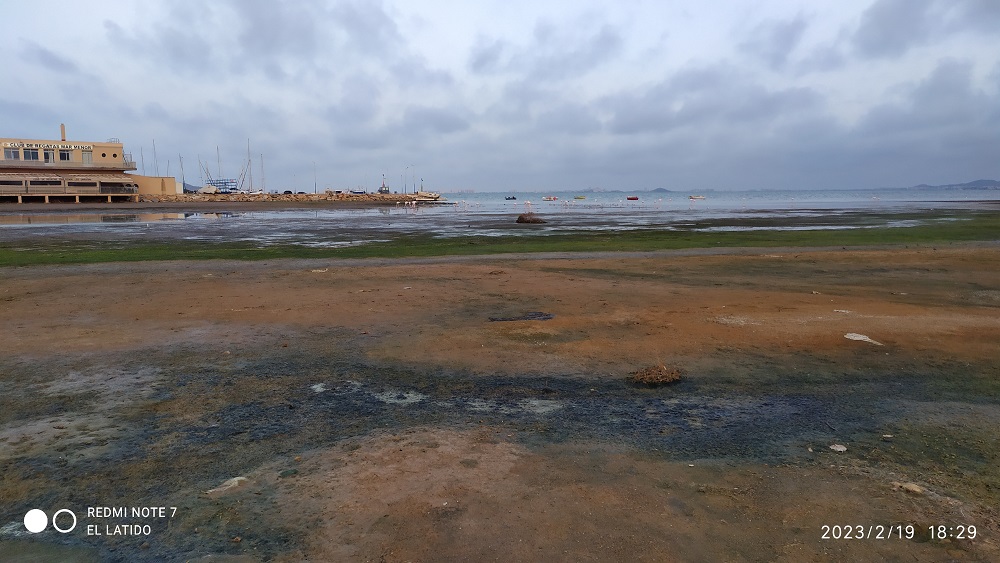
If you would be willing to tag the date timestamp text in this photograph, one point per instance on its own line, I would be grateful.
(870, 532)
(895, 531)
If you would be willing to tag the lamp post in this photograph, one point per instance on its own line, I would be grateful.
(315, 183)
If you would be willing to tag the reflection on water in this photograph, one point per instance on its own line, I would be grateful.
(70, 218)
(224, 215)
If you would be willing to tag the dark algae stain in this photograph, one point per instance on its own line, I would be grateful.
(208, 422)
(529, 316)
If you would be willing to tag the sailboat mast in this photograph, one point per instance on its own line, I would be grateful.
(249, 165)
(156, 163)
(183, 182)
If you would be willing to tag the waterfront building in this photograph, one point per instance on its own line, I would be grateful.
(61, 171)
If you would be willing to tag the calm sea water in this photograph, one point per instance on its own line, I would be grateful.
(490, 214)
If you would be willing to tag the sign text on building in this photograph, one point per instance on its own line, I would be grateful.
(17, 145)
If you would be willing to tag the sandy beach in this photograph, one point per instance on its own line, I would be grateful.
(371, 410)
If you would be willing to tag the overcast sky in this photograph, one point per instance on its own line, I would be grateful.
(519, 95)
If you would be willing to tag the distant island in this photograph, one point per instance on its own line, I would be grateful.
(974, 185)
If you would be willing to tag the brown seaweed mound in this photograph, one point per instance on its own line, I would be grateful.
(530, 218)
(655, 375)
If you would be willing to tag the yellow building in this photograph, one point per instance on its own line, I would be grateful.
(64, 171)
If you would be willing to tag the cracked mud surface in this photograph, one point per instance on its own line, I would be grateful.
(377, 414)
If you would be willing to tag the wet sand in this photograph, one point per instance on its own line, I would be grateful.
(376, 413)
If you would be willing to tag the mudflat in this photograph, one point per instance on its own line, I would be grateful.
(362, 410)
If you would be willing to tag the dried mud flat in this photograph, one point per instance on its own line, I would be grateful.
(373, 412)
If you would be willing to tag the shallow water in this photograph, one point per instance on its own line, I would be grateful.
(489, 214)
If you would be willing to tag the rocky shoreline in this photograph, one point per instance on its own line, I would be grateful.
(285, 198)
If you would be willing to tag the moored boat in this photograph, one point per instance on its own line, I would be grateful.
(696, 197)
(549, 198)
(425, 197)
(632, 198)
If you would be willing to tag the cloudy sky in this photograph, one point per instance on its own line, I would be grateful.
(503, 95)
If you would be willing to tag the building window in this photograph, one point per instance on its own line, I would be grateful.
(11, 154)
(65, 156)
(50, 156)
(30, 154)
(88, 157)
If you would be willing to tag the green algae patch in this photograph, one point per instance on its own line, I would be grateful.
(926, 228)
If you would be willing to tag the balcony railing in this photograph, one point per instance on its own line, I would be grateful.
(72, 190)
(64, 164)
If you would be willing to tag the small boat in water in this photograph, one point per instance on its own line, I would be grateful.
(427, 197)
(579, 197)
(632, 198)
(696, 197)
(549, 198)
(510, 197)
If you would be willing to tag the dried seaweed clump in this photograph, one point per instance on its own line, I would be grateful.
(655, 375)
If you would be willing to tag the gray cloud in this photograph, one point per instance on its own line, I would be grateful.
(358, 104)
(891, 27)
(824, 58)
(370, 30)
(979, 15)
(48, 59)
(556, 55)
(431, 120)
(757, 104)
(485, 56)
(414, 73)
(280, 41)
(268, 29)
(940, 107)
(365, 88)
(179, 50)
(703, 97)
(25, 116)
(748, 135)
(518, 102)
(774, 41)
(553, 53)
(569, 119)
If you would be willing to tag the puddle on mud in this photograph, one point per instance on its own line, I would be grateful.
(400, 397)
(529, 316)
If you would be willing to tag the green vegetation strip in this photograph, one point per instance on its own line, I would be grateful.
(983, 226)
